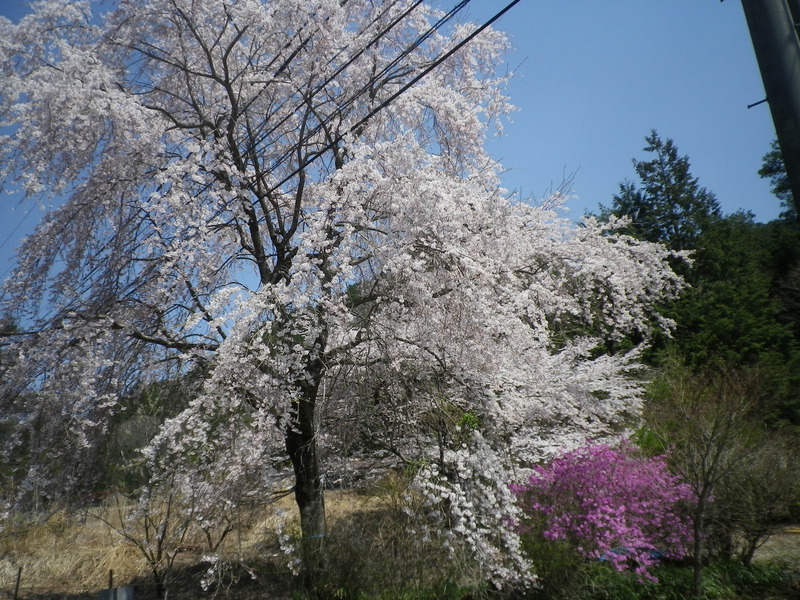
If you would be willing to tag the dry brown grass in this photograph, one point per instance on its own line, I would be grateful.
(781, 548)
(74, 553)
(71, 555)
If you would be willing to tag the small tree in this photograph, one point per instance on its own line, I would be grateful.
(611, 504)
(706, 422)
(157, 526)
(754, 501)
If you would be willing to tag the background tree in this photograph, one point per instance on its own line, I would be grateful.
(773, 168)
(738, 311)
(706, 423)
(731, 314)
(757, 500)
(667, 205)
(294, 199)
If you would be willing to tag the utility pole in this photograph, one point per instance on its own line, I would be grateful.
(794, 7)
(773, 30)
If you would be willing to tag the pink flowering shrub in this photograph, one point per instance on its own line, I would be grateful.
(609, 504)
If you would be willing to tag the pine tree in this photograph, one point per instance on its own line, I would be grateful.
(668, 205)
(774, 169)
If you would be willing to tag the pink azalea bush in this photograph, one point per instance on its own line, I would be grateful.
(609, 503)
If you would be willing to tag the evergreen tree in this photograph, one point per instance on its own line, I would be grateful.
(668, 205)
(740, 310)
(730, 314)
(774, 169)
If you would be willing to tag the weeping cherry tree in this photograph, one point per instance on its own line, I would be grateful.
(294, 199)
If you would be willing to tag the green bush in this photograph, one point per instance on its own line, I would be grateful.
(375, 555)
(728, 580)
(748, 581)
(606, 583)
(564, 575)
(562, 572)
(380, 549)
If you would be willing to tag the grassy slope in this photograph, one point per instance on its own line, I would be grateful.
(70, 556)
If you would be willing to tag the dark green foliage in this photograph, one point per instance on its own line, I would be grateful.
(742, 309)
(730, 314)
(566, 577)
(563, 573)
(668, 205)
(774, 169)
(738, 312)
(727, 580)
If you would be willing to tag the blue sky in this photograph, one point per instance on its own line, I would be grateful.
(598, 76)
(593, 78)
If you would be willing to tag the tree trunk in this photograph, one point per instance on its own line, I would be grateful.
(160, 583)
(752, 544)
(697, 562)
(301, 445)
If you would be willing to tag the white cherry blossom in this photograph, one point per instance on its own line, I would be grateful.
(232, 193)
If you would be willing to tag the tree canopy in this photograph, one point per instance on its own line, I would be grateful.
(668, 205)
(738, 312)
(255, 191)
(774, 169)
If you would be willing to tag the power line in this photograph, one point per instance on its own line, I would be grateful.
(367, 86)
(441, 22)
(439, 61)
(9, 237)
(13, 231)
(397, 94)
